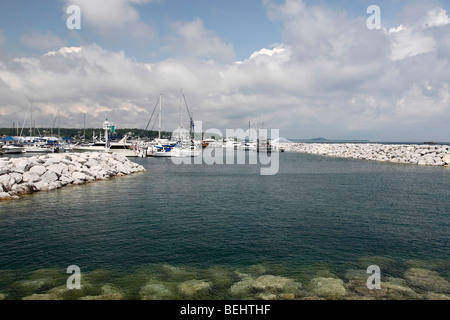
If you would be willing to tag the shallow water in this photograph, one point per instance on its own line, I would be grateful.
(221, 224)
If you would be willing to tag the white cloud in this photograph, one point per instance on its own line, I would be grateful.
(437, 17)
(409, 43)
(193, 39)
(114, 16)
(65, 51)
(333, 78)
(418, 37)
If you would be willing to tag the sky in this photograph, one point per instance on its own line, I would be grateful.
(308, 68)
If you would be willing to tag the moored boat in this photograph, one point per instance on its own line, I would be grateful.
(11, 149)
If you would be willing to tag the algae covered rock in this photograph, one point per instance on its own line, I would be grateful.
(436, 296)
(329, 288)
(42, 296)
(270, 283)
(427, 280)
(390, 289)
(242, 288)
(194, 288)
(156, 291)
(266, 287)
(175, 273)
(108, 292)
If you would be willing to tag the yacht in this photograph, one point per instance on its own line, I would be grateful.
(121, 147)
(11, 149)
(187, 149)
(160, 148)
(35, 148)
(231, 144)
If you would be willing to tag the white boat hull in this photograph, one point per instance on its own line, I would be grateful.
(161, 154)
(185, 153)
(13, 150)
(125, 151)
(39, 150)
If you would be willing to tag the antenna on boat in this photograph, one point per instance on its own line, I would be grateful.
(181, 110)
(151, 117)
(59, 123)
(191, 125)
(160, 114)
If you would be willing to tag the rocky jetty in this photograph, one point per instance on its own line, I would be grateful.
(25, 175)
(431, 155)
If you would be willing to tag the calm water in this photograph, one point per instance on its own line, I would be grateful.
(317, 213)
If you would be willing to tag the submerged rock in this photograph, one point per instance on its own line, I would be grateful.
(175, 273)
(398, 289)
(109, 292)
(42, 296)
(194, 288)
(156, 291)
(266, 287)
(271, 283)
(427, 280)
(242, 288)
(436, 296)
(329, 288)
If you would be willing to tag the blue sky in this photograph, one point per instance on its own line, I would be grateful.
(243, 23)
(309, 68)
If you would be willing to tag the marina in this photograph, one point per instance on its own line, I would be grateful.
(224, 158)
(183, 233)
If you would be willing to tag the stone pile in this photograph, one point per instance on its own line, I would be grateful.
(25, 175)
(432, 155)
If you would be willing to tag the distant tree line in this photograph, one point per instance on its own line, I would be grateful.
(77, 133)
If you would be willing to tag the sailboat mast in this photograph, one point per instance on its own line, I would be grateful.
(31, 119)
(160, 115)
(59, 123)
(181, 110)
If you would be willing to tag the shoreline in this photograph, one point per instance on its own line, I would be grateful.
(21, 176)
(426, 155)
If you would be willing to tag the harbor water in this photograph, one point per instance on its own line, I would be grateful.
(217, 226)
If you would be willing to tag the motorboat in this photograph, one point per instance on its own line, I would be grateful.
(187, 149)
(11, 149)
(248, 146)
(121, 147)
(160, 148)
(39, 149)
(231, 144)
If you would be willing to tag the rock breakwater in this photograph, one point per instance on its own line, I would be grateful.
(431, 155)
(26, 175)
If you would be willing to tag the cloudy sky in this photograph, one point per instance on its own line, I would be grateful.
(309, 68)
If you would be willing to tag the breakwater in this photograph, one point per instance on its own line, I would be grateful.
(25, 175)
(431, 155)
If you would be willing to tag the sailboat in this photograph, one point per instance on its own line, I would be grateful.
(160, 147)
(10, 146)
(187, 146)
